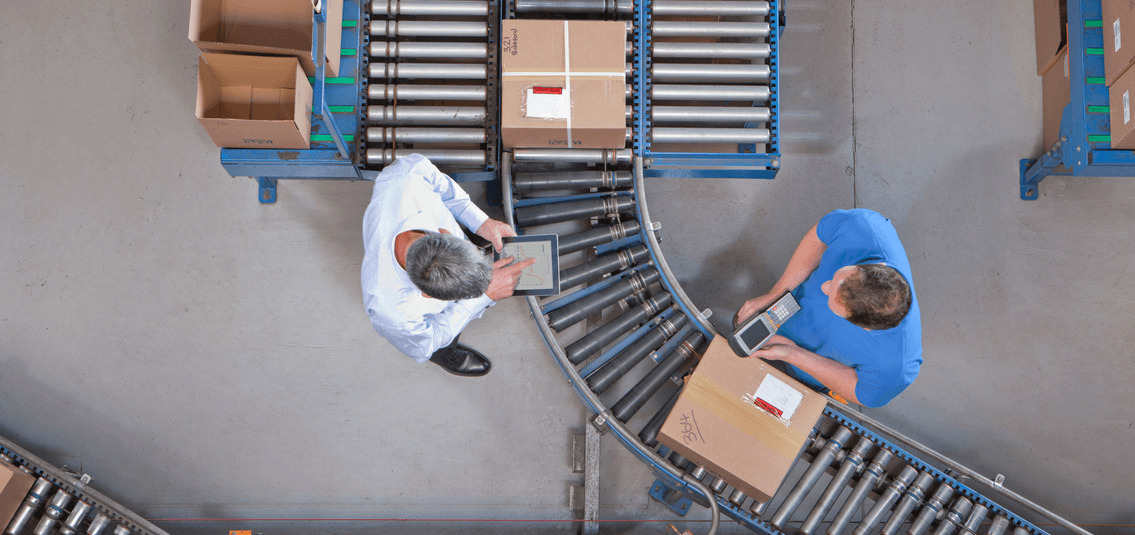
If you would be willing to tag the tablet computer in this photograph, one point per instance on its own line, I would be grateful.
(543, 277)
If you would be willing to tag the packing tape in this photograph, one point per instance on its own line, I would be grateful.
(734, 411)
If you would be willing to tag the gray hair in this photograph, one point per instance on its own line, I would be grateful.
(447, 267)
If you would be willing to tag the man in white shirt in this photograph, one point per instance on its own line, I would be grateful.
(422, 280)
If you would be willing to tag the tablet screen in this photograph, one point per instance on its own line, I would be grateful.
(542, 277)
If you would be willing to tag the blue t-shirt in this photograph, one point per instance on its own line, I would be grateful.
(885, 361)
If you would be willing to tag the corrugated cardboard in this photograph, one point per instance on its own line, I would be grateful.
(715, 425)
(1057, 95)
(14, 486)
(254, 101)
(1051, 19)
(273, 27)
(1118, 38)
(1121, 98)
(533, 59)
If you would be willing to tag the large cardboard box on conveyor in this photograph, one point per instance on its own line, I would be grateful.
(1120, 102)
(563, 84)
(269, 27)
(742, 419)
(14, 486)
(1118, 52)
(254, 101)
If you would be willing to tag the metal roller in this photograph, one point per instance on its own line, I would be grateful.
(440, 157)
(909, 501)
(683, 356)
(737, 497)
(613, 370)
(887, 499)
(852, 464)
(532, 182)
(573, 313)
(819, 465)
(430, 8)
(931, 508)
(75, 519)
(696, 8)
(597, 7)
(679, 461)
(710, 135)
(410, 134)
(545, 214)
(698, 472)
(718, 486)
(604, 265)
(428, 28)
(99, 524)
(976, 517)
(598, 235)
(593, 341)
(685, 28)
(596, 156)
(649, 433)
(708, 114)
(954, 517)
(758, 93)
(53, 513)
(707, 72)
(758, 508)
(440, 71)
(121, 530)
(425, 115)
(1021, 531)
(998, 526)
(666, 49)
(867, 482)
(408, 92)
(417, 49)
(36, 496)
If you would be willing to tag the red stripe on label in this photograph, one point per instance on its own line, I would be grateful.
(548, 90)
(768, 407)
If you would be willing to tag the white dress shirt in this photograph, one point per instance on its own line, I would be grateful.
(412, 194)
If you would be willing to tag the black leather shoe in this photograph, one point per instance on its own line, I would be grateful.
(462, 360)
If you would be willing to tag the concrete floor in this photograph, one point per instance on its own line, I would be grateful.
(206, 357)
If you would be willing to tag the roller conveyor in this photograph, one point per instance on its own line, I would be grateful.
(879, 479)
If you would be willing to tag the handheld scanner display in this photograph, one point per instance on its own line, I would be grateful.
(755, 332)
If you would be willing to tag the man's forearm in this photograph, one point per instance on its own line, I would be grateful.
(805, 259)
(839, 378)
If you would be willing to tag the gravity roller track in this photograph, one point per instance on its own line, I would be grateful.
(624, 333)
(432, 83)
(64, 503)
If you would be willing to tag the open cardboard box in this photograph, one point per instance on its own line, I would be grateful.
(271, 27)
(14, 487)
(254, 101)
(727, 420)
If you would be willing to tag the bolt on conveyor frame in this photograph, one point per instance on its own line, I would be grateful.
(1084, 146)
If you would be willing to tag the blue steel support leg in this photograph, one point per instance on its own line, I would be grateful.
(267, 190)
(670, 497)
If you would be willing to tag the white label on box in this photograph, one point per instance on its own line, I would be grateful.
(547, 103)
(776, 397)
(1126, 108)
(1118, 41)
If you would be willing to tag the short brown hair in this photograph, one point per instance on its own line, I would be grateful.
(877, 296)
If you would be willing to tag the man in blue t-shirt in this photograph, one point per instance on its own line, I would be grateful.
(858, 333)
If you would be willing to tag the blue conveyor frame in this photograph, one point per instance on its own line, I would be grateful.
(1084, 146)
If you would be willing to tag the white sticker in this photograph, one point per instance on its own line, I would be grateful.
(548, 103)
(1126, 109)
(776, 397)
(1118, 41)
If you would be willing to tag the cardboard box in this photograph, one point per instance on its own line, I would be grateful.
(1118, 38)
(1121, 98)
(724, 420)
(1057, 95)
(563, 84)
(270, 27)
(14, 486)
(254, 101)
(1051, 20)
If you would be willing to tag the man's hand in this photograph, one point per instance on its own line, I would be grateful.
(505, 277)
(494, 230)
(754, 306)
(778, 348)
